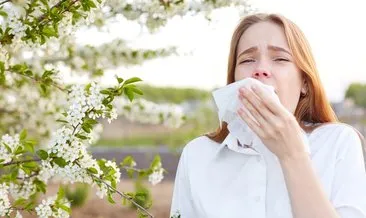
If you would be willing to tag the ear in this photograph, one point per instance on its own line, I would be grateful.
(304, 87)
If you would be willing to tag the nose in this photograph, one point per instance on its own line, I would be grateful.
(261, 73)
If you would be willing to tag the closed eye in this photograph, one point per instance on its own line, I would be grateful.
(281, 59)
(247, 61)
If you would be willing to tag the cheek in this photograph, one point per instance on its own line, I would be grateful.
(242, 73)
(289, 87)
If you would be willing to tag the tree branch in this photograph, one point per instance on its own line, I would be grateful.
(21, 161)
(28, 177)
(43, 16)
(125, 196)
(132, 168)
(38, 81)
(3, 2)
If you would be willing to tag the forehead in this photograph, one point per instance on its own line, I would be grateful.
(263, 34)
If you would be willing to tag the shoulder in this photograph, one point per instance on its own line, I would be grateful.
(199, 148)
(337, 131)
(339, 136)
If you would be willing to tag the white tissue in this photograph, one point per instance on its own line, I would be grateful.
(228, 103)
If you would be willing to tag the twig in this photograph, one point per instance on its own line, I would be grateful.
(38, 81)
(125, 196)
(4, 111)
(132, 168)
(43, 16)
(21, 161)
(28, 177)
(3, 2)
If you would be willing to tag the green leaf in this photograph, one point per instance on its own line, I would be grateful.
(43, 89)
(87, 87)
(90, 121)
(19, 202)
(60, 193)
(60, 161)
(23, 135)
(127, 161)
(19, 150)
(98, 72)
(14, 173)
(92, 170)
(42, 154)
(2, 67)
(91, 4)
(110, 199)
(130, 173)
(65, 208)
(3, 13)
(137, 91)
(156, 161)
(29, 206)
(28, 73)
(105, 92)
(132, 80)
(29, 146)
(30, 165)
(129, 94)
(120, 80)
(18, 68)
(62, 121)
(82, 137)
(40, 186)
(7, 148)
(85, 127)
(49, 31)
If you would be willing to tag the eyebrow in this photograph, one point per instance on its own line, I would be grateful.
(270, 47)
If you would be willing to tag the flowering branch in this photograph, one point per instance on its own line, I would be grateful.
(21, 162)
(124, 196)
(40, 81)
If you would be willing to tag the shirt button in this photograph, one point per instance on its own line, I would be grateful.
(259, 159)
(257, 198)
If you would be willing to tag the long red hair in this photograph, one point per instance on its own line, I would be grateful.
(313, 107)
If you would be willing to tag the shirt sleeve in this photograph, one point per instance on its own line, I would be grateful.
(349, 185)
(182, 203)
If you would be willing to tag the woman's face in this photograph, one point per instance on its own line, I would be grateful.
(263, 54)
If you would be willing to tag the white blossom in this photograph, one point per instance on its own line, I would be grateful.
(18, 215)
(44, 209)
(157, 175)
(12, 144)
(4, 200)
(113, 165)
(23, 190)
(148, 112)
(102, 190)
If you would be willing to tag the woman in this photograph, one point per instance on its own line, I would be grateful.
(214, 181)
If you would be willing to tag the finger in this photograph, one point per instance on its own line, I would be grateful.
(269, 102)
(254, 112)
(251, 123)
(258, 104)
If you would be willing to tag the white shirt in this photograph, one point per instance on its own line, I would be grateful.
(214, 181)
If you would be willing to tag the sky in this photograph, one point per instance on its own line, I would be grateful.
(336, 31)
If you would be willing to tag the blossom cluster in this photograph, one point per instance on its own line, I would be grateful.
(47, 208)
(144, 111)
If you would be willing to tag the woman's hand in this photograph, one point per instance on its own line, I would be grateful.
(276, 127)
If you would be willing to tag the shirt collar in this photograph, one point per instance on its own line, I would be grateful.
(232, 143)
